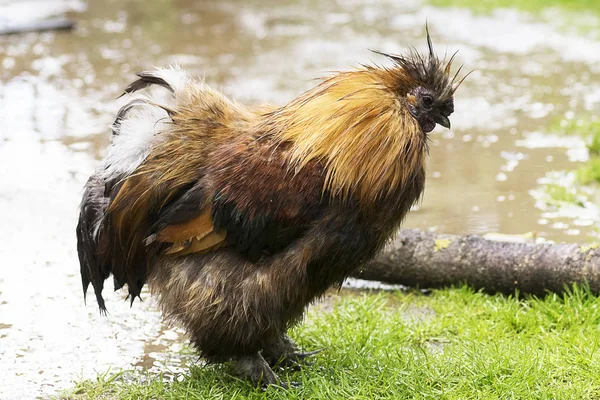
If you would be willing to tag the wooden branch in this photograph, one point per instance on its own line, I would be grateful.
(38, 26)
(429, 260)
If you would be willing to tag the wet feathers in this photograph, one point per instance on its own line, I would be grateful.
(240, 216)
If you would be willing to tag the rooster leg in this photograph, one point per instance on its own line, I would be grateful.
(284, 353)
(255, 368)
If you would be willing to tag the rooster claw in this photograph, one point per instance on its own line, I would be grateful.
(290, 385)
(294, 361)
(300, 356)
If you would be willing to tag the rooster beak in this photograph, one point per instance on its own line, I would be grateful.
(443, 121)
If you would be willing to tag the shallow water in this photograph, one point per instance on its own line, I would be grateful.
(57, 98)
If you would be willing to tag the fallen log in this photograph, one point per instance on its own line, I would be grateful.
(38, 26)
(429, 260)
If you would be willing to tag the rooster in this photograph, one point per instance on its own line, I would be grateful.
(239, 217)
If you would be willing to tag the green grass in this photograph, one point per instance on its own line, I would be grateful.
(526, 5)
(593, 143)
(560, 193)
(589, 130)
(453, 344)
(589, 172)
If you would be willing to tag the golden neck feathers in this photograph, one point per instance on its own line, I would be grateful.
(359, 129)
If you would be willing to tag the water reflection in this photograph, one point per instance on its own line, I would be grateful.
(57, 96)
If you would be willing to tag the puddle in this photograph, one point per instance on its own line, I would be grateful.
(57, 98)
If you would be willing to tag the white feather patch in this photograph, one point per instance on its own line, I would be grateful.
(136, 134)
(175, 77)
(139, 131)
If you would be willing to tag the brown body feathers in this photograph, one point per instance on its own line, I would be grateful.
(240, 217)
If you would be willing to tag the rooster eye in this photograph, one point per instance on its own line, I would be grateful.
(427, 101)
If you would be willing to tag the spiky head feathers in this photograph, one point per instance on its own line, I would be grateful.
(425, 84)
(427, 70)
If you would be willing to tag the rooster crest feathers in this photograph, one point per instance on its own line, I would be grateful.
(427, 70)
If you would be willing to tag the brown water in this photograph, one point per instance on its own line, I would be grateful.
(57, 98)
